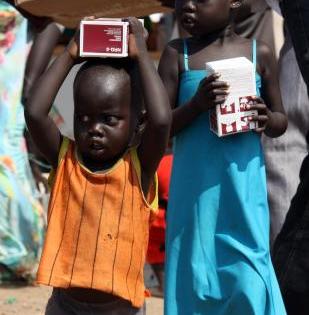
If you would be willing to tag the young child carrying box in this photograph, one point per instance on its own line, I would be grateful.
(104, 188)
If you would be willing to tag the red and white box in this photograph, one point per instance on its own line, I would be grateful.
(233, 116)
(104, 38)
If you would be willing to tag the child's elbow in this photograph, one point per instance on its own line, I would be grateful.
(279, 128)
(32, 115)
(163, 121)
(285, 125)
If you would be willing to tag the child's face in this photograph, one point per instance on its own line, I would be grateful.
(103, 122)
(202, 17)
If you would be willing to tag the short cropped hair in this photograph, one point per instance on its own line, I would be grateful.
(128, 65)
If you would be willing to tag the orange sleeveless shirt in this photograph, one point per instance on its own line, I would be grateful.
(98, 227)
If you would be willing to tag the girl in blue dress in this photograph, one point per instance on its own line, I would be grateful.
(218, 260)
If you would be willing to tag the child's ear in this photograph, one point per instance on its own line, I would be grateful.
(139, 129)
(235, 4)
(142, 121)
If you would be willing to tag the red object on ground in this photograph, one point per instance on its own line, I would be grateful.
(156, 247)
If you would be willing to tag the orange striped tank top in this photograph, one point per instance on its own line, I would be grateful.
(98, 225)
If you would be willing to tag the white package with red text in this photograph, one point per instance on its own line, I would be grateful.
(232, 116)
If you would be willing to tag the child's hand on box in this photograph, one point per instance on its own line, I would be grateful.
(137, 39)
(73, 48)
(210, 93)
(263, 114)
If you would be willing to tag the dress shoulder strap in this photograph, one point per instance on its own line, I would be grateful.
(254, 53)
(185, 55)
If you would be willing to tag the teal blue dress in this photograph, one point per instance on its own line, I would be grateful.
(218, 259)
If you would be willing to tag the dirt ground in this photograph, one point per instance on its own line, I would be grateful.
(32, 301)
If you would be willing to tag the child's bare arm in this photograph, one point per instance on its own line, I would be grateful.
(43, 130)
(169, 72)
(155, 137)
(272, 118)
(211, 91)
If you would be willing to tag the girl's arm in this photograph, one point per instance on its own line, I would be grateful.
(43, 130)
(155, 136)
(210, 92)
(272, 118)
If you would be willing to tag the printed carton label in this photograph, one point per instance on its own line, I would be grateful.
(233, 116)
(103, 39)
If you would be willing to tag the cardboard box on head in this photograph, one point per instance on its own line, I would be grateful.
(104, 37)
(70, 12)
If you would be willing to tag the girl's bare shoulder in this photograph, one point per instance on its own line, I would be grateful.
(175, 46)
(171, 56)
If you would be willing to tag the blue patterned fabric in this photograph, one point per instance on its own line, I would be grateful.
(21, 215)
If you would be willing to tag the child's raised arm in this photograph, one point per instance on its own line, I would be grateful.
(155, 137)
(43, 130)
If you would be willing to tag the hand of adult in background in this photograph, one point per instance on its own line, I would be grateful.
(211, 92)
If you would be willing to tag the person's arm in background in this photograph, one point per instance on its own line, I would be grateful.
(39, 57)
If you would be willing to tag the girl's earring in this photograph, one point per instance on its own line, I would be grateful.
(236, 4)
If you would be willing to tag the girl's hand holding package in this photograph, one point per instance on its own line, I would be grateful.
(263, 114)
(210, 93)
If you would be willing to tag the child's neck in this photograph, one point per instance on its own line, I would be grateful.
(99, 166)
(220, 37)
